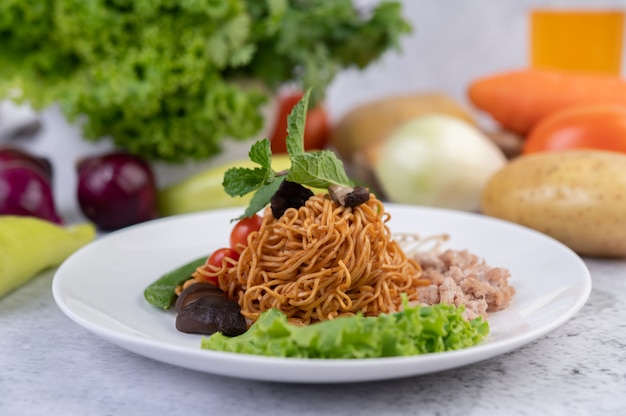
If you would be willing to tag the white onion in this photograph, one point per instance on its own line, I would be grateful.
(437, 160)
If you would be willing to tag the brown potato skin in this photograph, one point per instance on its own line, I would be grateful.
(575, 196)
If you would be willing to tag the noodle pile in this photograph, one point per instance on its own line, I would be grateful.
(319, 262)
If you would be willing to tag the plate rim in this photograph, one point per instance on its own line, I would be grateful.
(151, 348)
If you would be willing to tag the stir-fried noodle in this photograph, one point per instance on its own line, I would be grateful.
(319, 262)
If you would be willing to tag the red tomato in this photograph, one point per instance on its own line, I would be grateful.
(601, 126)
(316, 129)
(218, 256)
(241, 230)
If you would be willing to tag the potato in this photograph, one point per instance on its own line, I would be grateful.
(576, 196)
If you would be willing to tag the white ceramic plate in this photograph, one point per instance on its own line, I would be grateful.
(101, 288)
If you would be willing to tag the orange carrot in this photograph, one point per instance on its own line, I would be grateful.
(519, 99)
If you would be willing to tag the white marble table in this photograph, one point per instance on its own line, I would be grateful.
(51, 366)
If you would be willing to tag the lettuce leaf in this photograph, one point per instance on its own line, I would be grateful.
(415, 330)
(170, 80)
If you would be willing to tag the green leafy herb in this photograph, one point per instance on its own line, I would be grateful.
(319, 169)
(415, 330)
(296, 121)
(262, 197)
(170, 80)
(242, 181)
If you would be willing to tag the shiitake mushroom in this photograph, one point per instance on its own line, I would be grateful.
(204, 309)
(289, 195)
(194, 292)
(347, 196)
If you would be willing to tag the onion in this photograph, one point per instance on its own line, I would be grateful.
(25, 190)
(116, 190)
(11, 154)
(436, 160)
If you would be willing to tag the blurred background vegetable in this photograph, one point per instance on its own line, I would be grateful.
(116, 190)
(599, 126)
(371, 122)
(31, 245)
(576, 196)
(518, 100)
(203, 190)
(13, 154)
(170, 80)
(316, 131)
(435, 160)
(26, 185)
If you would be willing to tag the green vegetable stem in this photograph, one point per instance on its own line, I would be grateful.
(169, 80)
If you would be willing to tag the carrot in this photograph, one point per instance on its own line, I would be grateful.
(519, 99)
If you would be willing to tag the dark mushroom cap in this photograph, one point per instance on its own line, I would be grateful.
(289, 195)
(196, 291)
(348, 196)
(212, 314)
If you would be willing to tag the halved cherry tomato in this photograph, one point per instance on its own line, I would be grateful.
(241, 230)
(218, 256)
(316, 129)
(599, 126)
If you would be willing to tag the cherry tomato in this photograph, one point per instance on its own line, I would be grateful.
(218, 256)
(601, 126)
(316, 129)
(241, 230)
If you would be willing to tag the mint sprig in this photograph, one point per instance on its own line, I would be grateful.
(318, 169)
(241, 181)
(296, 122)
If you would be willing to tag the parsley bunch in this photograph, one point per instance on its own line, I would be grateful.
(318, 169)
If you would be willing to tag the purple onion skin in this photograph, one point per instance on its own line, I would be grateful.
(11, 154)
(116, 190)
(26, 191)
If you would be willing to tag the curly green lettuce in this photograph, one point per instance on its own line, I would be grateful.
(415, 330)
(162, 77)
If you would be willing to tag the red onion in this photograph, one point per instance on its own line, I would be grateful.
(11, 154)
(116, 190)
(25, 190)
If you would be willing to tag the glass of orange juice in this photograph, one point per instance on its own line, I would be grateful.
(585, 40)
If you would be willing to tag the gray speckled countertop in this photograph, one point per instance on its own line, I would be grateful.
(51, 366)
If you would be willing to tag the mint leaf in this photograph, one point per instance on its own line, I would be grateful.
(261, 153)
(318, 169)
(262, 197)
(296, 122)
(241, 181)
